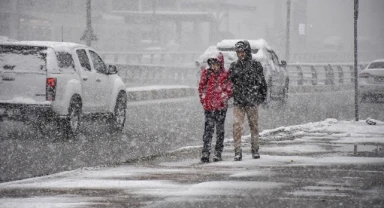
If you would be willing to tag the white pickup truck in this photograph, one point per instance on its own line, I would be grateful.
(59, 82)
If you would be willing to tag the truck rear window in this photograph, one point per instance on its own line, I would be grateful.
(23, 58)
(65, 60)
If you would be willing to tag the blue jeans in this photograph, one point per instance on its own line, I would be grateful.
(212, 119)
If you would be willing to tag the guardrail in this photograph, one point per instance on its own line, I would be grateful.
(142, 75)
(330, 57)
(159, 58)
(322, 74)
(177, 58)
(309, 74)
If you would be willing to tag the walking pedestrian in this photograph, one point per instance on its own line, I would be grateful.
(214, 91)
(249, 90)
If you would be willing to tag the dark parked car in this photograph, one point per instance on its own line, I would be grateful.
(371, 81)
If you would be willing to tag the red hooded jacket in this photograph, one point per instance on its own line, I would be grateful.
(215, 88)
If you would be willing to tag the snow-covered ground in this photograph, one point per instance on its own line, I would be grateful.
(330, 143)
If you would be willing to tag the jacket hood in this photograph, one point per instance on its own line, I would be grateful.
(244, 46)
(248, 49)
(219, 56)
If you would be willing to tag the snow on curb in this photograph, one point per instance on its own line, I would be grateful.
(342, 131)
(290, 132)
(308, 127)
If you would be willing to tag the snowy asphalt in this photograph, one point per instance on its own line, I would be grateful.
(153, 127)
(311, 165)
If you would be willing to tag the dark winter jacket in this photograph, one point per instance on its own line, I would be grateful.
(249, 87)
(215, 88)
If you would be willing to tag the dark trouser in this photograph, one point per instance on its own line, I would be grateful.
(212, 119)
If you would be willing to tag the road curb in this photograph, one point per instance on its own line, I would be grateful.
(157, 94)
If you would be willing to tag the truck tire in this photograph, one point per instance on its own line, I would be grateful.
(117, 120)
(71, 124)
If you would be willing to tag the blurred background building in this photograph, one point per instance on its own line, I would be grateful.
(193, 25)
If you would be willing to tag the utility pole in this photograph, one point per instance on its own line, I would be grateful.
(287, 41)
(154, 22)
(356, 15)
(14, 23)
(88, 35)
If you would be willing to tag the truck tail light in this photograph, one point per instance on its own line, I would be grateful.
(50, 89)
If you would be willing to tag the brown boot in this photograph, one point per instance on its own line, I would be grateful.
(238, 154)
(255, 154)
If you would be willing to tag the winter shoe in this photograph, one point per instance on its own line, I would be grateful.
(238, 154)
(217, 157)
(255, 154)
(205, 158)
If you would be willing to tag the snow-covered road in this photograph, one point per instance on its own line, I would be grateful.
(310, 165)
(153, 127)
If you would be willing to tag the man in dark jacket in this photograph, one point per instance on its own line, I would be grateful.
(249, 89)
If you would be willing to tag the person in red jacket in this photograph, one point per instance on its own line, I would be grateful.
(214, 91)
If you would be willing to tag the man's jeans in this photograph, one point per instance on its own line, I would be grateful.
(239, 114)
(212, 119)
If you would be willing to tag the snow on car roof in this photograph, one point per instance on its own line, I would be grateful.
(59, 46)
(227, 48)
(378, 60)
(255, 44)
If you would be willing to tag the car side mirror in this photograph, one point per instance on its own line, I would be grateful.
(283, 63)
(112, 69)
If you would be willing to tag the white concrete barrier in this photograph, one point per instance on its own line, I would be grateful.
(304, 78)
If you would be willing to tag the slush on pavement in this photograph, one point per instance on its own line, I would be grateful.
(324, 164)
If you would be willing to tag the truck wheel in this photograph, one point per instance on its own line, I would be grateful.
(117, 120)
(71, 124)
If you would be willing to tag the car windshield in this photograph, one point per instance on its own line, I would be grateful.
(376, 65)
(23, 58)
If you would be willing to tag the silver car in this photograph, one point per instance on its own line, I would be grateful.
(275, 71)
(371, 81)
